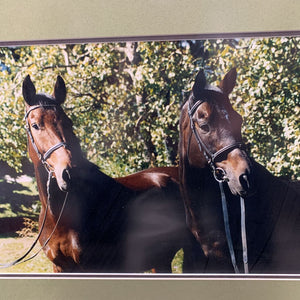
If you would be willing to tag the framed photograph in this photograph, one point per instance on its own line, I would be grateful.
(151, 158)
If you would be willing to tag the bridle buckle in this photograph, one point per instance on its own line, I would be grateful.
(220, 175)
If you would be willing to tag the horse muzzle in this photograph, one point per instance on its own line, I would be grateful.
(244, 186)
(64, 181)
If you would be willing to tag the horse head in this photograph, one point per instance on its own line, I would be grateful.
(51, 138)
(211, 131)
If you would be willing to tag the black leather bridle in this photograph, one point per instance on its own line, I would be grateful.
(211, 158)
(42, 157)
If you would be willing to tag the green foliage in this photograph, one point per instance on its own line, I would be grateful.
(267, 96)
(124, 98)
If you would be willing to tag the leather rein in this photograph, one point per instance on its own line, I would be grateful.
(220, 176)
(43, 158)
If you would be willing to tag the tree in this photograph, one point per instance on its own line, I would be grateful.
(267, 96)
(124, 98)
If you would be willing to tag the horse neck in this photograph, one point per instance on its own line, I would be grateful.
(90, 175)
(95, 196)
(97, 189)
(269, 194)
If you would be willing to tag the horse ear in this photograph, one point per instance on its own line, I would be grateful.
(228, 82)
(60, 91)
(28, 90)
(200, 83)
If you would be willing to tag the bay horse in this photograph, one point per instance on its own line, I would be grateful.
(90, 222)
(244, 218)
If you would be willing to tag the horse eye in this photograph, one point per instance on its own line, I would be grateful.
(35, 126)
(204, 127)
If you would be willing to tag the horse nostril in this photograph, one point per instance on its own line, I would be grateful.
(245, 183)
(66, 176)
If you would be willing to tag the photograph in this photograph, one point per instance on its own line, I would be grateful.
(151, 157)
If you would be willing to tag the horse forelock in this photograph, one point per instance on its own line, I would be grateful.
(208, 93)
(44, 99)
(213, 88)
(215, 96)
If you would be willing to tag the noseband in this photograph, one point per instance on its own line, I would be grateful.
(42, 157)
(211, 158)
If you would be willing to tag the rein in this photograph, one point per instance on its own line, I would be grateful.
(220, 176)
(43, 159)
(22, 258)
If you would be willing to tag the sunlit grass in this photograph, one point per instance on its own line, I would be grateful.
(13, 191)
(12, 248)
(29, 183)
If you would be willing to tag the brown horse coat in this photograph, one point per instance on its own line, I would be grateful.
(128, 224)
(272, 205)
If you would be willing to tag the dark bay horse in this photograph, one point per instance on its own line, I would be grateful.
(89, 221)
(234, 206)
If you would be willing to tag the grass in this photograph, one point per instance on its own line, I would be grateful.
(19, 198)
(12, 248)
